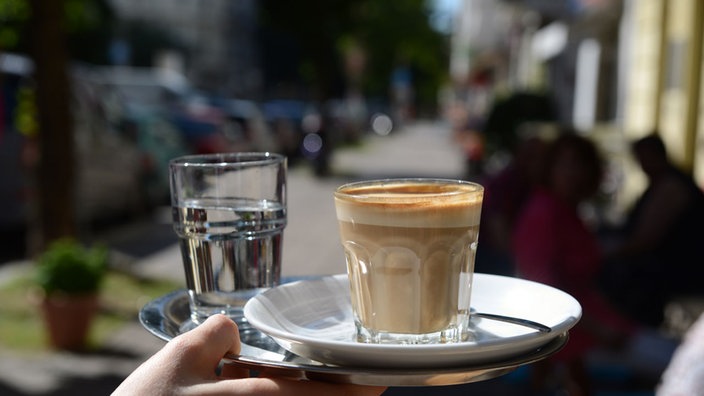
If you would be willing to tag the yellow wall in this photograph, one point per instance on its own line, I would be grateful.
(641, 108)
(698, 142)
(681, 72)
(643, 88)
(665, 88)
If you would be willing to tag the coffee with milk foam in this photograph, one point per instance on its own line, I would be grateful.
(410, 249)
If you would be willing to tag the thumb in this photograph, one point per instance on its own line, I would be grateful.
(204, 346)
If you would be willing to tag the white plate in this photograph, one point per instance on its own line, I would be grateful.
(313, 318)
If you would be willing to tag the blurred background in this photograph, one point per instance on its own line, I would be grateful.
(98, 95)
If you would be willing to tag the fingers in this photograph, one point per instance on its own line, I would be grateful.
(280, 386)
(221, 335)
(232, 371)
(203, 347)
(198, 353)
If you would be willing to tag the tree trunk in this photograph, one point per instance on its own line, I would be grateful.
(55, 174)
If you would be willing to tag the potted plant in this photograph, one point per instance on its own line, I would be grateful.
(70, 276)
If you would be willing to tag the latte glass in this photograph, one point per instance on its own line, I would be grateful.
(410, 246)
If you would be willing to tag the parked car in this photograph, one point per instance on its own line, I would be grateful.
(246, 120)
(158, 141)
(353, 118)
(108, 167)
(287, 119)
(15, 186)
(202, 125)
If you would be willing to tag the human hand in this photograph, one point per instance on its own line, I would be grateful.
(187, 366)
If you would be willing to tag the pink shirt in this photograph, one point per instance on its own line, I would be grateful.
(553, 246)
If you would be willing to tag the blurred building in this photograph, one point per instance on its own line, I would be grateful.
(219, 36)
(618, 69)
(664, 87)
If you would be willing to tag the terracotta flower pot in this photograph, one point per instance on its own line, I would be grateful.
(68, 319)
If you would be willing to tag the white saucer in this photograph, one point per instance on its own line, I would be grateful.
(313, 318)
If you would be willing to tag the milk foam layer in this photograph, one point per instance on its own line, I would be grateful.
(407, 204)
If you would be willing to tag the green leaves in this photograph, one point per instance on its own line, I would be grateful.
(68, 267)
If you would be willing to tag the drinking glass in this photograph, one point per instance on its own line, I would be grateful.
(229, 212)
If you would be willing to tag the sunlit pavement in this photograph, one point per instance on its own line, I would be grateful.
(311, 247)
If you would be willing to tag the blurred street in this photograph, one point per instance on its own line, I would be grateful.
(422, 149)
(93, 108)
(147, 248)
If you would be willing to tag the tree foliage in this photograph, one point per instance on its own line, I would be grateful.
(68, 267)
(89, 25)
(389, 33)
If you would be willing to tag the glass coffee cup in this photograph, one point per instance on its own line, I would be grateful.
(410, 246)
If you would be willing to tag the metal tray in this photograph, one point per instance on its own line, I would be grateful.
(169, 315)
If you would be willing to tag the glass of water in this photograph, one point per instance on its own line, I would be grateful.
(229, 212)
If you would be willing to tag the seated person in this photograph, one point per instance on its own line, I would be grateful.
(659, 252)
(555, 246)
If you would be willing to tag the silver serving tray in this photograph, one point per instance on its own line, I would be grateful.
(169, 315)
